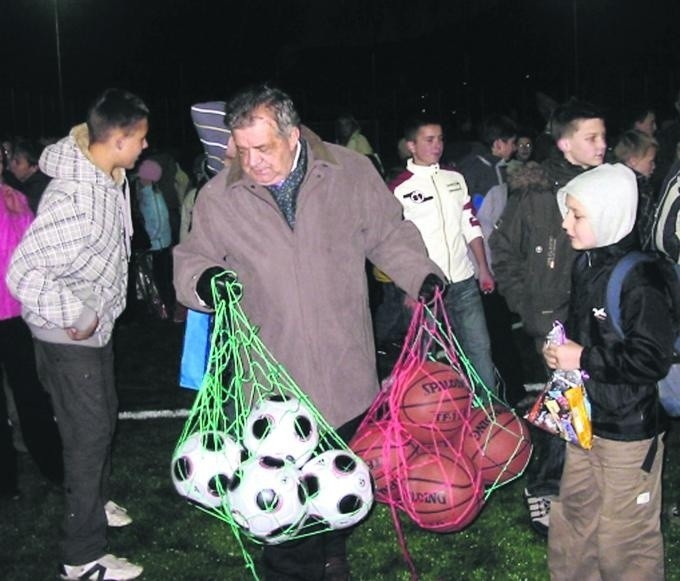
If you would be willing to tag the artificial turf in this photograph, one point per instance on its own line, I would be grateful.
(175, 541)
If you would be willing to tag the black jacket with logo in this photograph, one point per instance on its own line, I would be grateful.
(623, 373)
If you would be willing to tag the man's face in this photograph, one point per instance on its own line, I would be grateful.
(20, 167)
(586, 146)
(263, 152)
(131, 143)
(427, 146)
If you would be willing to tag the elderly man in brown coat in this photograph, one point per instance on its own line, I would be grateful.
(296, 219)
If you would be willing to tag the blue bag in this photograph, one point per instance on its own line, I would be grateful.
(669, 386)
(195, 350)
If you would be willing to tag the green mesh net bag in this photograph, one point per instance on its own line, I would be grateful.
(255, 452)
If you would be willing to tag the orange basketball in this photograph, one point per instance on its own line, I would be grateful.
(383, 460)
(442, 494)
(500, 447)
(434, 402)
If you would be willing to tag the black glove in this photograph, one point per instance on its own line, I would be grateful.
(430, 285)
(222, 279)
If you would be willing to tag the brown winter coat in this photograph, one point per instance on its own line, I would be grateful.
(306, 288)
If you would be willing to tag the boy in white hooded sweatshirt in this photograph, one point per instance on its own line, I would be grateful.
(605, 524)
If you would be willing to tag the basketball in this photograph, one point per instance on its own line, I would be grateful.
(442, 494)
(383, 460)
(500, 447)
(434, 403)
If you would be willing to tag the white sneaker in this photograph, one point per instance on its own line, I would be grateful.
(539, 512)
(106, 568)
(116, 516)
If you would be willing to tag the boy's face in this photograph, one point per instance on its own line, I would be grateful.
(577, 225)
(586, 146)
(504, 148)
(130, 144)
(647, 125)
(20, 167)
(428, 146)
(643, 164)
(524, 148)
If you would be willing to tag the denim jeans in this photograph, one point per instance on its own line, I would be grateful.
(464, 309)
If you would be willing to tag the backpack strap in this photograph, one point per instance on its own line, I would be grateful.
(615, 284)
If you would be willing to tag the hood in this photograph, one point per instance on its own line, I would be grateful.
(69, 159)
(528, 177)
(609, 194)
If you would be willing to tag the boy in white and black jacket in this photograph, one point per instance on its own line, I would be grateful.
(605, 523)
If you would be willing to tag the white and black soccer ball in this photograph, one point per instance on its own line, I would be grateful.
(203, 465)
(339, 487)
(266, 498)
(282, 427)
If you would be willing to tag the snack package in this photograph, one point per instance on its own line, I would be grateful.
(563, 408)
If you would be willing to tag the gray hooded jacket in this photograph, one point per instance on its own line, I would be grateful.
(72, 264)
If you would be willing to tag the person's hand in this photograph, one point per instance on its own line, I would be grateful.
(430, 285)
(566, 357)
(204, 286)
(82, 334)
(487, 284)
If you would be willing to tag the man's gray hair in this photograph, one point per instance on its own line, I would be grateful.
(240, 109)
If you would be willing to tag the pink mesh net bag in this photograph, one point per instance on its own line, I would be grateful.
(436, 439)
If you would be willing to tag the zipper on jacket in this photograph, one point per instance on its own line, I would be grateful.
(443, 223)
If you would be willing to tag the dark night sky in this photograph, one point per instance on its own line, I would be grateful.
(376, 57)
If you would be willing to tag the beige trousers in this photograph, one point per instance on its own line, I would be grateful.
(605, 523)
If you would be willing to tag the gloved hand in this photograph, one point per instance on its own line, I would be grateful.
(204, 288)
(430, 285)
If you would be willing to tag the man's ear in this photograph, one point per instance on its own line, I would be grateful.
(495, 145)
(294, 137)
(411, 146)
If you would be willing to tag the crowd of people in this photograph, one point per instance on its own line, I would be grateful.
(516, 230)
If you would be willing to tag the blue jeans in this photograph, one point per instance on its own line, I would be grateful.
(464, 309)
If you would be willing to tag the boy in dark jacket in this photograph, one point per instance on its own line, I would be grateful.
(605, 522)
(532, 258)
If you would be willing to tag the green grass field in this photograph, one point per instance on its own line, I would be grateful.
(175, 541)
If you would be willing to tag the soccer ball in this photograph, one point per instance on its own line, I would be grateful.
(203, 465)
(281, 427)
(267, 499)
(339, 487)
